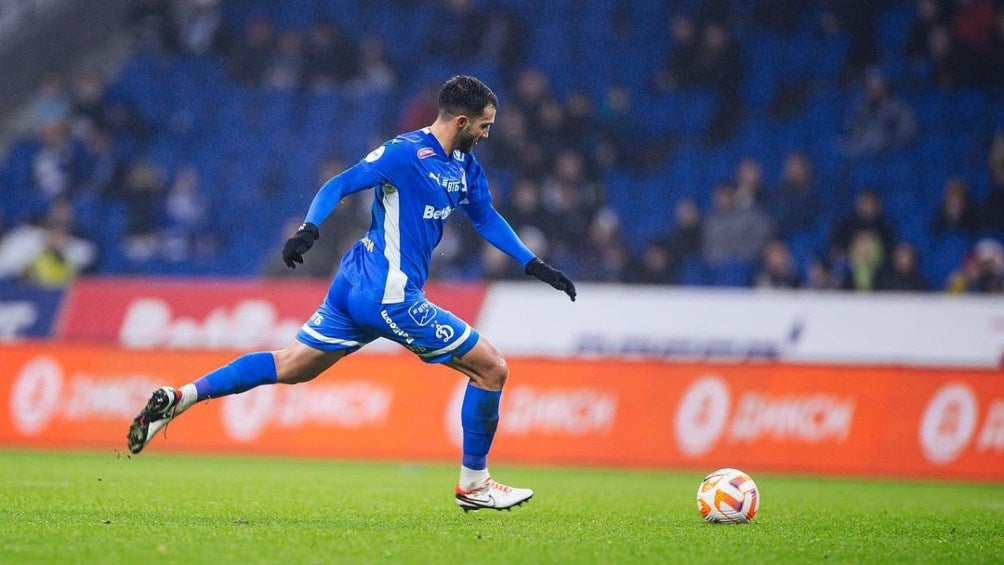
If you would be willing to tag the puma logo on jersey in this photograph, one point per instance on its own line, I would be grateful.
(431, 213)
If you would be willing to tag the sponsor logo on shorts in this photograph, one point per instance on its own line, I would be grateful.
(423, 312)
(395, 328)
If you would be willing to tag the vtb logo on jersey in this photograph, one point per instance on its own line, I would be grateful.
(451, 185)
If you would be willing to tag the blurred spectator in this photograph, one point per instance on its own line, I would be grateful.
(665, 256)
(88, 100)
(187, 230)
(52, 104)
(420, 110)
(930, 14)
(821, 275)
(720, 65)
(950, 67)
(581, 128)
(974, 25)
(678, 71)
(993, 205)
(196, 22)
(903, 274)
(652, 267)
(506, 42)
(57, 166)
(982, 271)
(104, 166)
(332, 56)
(617, 120)
(512, 148)
(868, 217)
(777, 269)
(685, 241)
(719, 62)
(879, 121)
(956, 213)
(142, 192)
(795, 203)
(376, 73)
(572, 202)
(858, 20)
(608, 258)
(749, 183)
(466, 25)
(865, 258)
(532, 90)
(286, 66)
(731, 233)
(525, 206)
(152, 25)
(248, 56)
(47, 252)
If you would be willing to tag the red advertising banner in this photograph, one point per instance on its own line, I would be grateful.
(212, 314)
(830, 420)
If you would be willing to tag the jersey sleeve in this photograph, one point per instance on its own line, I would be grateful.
(488, 221)
(367, 173)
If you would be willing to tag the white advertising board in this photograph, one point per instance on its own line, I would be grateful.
(647, 322)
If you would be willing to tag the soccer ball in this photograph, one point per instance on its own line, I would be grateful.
(728, 496)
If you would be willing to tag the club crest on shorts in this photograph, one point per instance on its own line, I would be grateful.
(444, 332)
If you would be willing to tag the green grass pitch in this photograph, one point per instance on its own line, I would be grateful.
(107, 508)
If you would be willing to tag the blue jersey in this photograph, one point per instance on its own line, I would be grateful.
(417, 187)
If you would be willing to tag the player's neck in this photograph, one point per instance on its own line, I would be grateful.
(445, 134)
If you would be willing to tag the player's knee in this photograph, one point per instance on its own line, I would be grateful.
(496, 373)
(291, 369)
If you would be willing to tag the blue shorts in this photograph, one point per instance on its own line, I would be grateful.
(348, 320)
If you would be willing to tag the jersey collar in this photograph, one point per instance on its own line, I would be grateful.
(436, 146)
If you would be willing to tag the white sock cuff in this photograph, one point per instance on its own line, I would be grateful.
(189, 396)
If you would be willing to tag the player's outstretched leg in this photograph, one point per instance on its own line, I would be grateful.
(479, 417)
(166, 403)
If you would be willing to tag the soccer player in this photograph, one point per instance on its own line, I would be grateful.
(419, 179)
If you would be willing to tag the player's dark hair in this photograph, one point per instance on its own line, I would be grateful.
(466, 95)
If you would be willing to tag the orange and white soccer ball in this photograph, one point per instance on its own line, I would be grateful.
(728, 496)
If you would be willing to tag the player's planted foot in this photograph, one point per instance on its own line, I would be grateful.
(157, 413)
(492, 495)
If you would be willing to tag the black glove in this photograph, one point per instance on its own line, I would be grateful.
(550, 275)
(296, 246)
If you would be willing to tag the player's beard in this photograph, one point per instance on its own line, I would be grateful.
(467, 140)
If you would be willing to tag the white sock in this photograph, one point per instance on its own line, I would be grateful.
(189, 396)
(471, 478)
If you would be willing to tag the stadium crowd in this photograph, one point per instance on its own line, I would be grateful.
(824, 144)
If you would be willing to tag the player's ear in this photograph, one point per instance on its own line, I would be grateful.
(461, 121)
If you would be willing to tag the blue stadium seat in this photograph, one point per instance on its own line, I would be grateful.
(946, 254)
(731, 274)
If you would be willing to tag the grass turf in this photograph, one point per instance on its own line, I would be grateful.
(106, 508)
